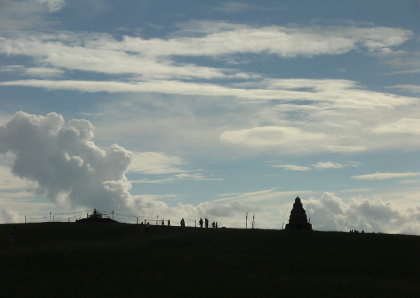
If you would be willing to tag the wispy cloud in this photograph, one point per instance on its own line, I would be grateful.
(293, 167)
(238, 7)
(405, 126)
(155, 163)
(409, 88)
(385, 176)
(43, 72)
(153, 58)
(328, 165)
(322, 165)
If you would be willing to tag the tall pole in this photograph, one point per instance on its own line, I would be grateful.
(50, 216)
(253, 221)
(25, 218)
(246, 221)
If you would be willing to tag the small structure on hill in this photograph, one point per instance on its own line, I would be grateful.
(298, 219)
(96, 217)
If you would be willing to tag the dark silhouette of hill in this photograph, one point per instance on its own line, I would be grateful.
(121, 260)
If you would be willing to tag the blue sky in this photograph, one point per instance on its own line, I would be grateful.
(212, 109)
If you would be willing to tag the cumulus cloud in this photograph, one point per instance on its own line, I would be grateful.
(65, 162)
(67, 167)
(370, 215)
(10, 216)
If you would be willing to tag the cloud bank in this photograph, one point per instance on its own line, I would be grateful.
(371, 215)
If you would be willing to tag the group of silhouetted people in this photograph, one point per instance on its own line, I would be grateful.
(206, 223)
(202, 223)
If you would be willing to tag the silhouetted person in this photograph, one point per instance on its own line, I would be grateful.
(201, 222)
(216, 224)
(182, 222)
(206, 221)
(213, 224)
(169, 222)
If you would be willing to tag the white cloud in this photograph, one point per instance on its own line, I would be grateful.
(53, 5)
(287, 138)
(328, 165)
(9, 182)
(153, 58)
(293, 167)
(10, 216)
(27, 14)
(384, 176)
(402, 126)
(237, 7)
(333, 213)
(410, 88)
(64, 161)
(44, 72)
(155, 163)
(277, 40)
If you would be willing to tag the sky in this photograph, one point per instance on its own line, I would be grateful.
(216, 109)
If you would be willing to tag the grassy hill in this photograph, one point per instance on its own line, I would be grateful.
(118, 260)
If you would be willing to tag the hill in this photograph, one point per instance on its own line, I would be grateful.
(92, 260)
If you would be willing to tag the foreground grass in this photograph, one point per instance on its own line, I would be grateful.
(85, 260)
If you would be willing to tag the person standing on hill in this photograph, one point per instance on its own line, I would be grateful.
(182, 222)
(201, 222)
(207, 222)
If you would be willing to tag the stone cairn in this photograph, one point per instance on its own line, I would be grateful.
(298, 219)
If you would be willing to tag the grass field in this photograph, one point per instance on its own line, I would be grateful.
(118, 260)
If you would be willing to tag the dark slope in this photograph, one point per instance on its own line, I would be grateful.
(92, 260)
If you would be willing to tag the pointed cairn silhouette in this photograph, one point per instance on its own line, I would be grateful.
(298, 219)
